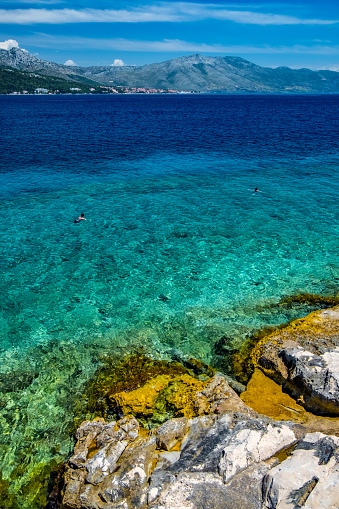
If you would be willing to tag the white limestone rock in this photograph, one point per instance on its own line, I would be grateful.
(309, 478)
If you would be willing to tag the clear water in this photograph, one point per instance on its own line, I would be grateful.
(177, 250)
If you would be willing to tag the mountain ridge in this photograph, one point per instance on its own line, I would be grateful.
(223, 74)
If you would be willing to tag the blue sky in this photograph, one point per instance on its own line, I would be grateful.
(136, 32)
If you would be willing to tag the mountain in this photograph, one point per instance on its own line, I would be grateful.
(195, 72)
(21, 60)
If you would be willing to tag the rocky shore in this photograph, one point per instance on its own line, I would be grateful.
(184, 440)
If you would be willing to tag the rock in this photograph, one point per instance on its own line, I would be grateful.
(223, 458)
(233, 383)
(218, 397)
(169, 433)
(308, 478)
(86, 435)
(93, 477)
(129, 484)
(267, 397)
(168, 457)
(159, 480)
(231, 444)
(217, 460)
(161, 397)
(315, 377)
(207, 490)
(252, 442)
(304, 359)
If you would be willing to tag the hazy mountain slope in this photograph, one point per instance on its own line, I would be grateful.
(195, 72)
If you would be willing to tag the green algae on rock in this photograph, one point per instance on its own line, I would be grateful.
(152, 390)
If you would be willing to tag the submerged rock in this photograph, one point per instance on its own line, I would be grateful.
(161, 397)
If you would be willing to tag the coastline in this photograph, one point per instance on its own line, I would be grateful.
(212, 437)
(97, 401)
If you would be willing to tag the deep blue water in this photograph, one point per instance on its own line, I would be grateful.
(177, 250)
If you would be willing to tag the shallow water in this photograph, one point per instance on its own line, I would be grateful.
(177, 250)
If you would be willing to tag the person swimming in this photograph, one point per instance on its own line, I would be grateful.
(82, 217)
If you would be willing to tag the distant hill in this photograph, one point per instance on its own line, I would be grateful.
(192, 73)
(12, 80)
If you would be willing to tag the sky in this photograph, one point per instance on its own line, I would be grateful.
(298, 33)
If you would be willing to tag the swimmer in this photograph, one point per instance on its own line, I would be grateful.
(256, 190)
(82, 217)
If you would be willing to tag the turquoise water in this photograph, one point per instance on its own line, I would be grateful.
(177, 250)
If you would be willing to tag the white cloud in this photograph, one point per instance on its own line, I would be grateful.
(9, 44)
(169, 46)
(332, 68)
(70, 62)
(117, 63)
(164, 12)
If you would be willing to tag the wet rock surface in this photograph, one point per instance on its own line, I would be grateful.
(267, 397)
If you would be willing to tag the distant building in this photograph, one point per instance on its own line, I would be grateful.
(75, 89)
(41, 91)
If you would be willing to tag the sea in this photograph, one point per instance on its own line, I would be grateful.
(176, 253)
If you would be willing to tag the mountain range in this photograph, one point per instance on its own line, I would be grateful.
(192, 73)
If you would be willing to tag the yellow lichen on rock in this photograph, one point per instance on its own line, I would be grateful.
(160, 393)
(141, 400)
(307, 332)
(267, 397)
(181, 394)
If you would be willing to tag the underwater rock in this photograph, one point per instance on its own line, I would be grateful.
(304, 358)
(161, 397)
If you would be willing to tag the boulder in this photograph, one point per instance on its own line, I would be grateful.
(169, 433)
(266, 397)
(308, 478)
(218, 397)
(206, 490)
(95, 480)
(232, 443)
(304, 359)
